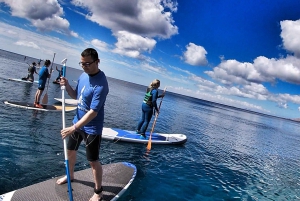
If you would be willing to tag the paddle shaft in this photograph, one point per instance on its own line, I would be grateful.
(152, 129)
(65, 141)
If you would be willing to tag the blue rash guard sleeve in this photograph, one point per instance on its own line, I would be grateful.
(97, 100)
(154, 98)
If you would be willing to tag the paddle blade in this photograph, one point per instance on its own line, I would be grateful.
(45, 99)
(149, 144)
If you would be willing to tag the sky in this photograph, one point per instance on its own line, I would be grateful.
(244, 53)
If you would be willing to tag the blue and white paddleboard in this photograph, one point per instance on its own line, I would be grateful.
(131, 136)
(20, 80)
(116, 179)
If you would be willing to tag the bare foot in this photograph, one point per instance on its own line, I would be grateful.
(96, 197)
(63, 180)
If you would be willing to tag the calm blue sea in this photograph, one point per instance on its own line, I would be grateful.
(230, 154)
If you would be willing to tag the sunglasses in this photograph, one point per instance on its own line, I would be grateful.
(86, 64)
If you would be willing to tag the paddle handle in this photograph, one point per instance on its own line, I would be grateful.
(64, 70)
(64, 67)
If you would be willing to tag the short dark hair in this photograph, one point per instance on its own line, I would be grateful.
(90, 52)
(47, 62)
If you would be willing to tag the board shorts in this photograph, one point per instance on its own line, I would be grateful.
(92, 144)
(42, 84)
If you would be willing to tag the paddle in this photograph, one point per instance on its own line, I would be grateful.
(64, 125)
(149, 141)
(25, 60)
(45, 98)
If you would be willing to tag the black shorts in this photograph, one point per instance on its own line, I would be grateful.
(92, 144)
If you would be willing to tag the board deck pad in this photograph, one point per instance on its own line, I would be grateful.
(116, 134)
(30, 106)
(117, 177)
(20, 80)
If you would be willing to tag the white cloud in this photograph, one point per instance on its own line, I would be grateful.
(28, 44)
(133, 22)
(282, 105)
(231, 72)
(283, 98)
(131, 44)
(154, 69)
(44, 15)
(195, 55)
(218, 99)
(290, 35)
(100, 45)
(246, 90)
(286, 69)
(261, 70)
(141, 17)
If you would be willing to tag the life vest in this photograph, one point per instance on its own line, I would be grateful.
(148, 97)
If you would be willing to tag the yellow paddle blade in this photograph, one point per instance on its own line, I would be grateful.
(45, 99)
(149, 144)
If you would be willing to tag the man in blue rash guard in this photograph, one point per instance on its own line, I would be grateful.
(91, 92)
(147, 107)
(43, 75)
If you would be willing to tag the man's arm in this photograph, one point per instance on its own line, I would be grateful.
(89, 116)
(69, 89)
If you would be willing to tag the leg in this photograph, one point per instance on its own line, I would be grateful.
(141, 122)
(38, 95)
(30, 78)
(72, 160)
(97, 172)
(74, 141)
(148, 115)
(37, 99)
(92, 153)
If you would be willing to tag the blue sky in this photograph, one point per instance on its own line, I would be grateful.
(239, 53)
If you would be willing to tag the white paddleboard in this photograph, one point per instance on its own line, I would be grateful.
(69, 101)
(20, 80)
(115, 134)
(30, 106)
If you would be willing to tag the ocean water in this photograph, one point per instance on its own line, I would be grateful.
(230, 154)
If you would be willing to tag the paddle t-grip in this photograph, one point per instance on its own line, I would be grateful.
(64, 61)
